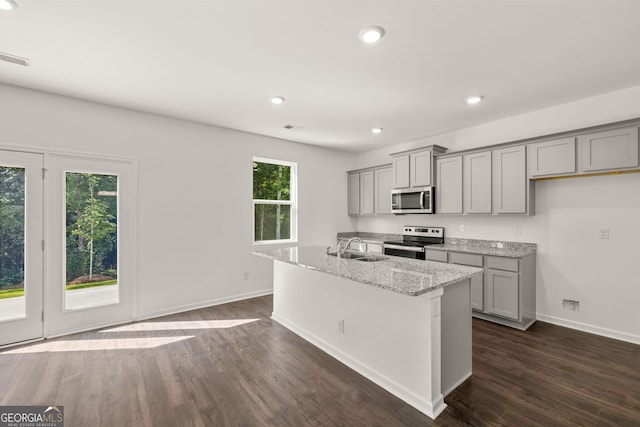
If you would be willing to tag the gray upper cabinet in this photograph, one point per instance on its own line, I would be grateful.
(383, 180)
(367, 192)
(552, 157)
(611, 149)
(370, 191)
(354, 193)
(477, 182)
(449, 185)
(415, 168)
(510, 180)
(420, 168)
(401, 171)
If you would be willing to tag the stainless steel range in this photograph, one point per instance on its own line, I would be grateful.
(414, 240)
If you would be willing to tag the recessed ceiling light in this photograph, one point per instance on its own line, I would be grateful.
(8, 4)
(475, 99)
(277, 100)
(372, 34)
(376, 130)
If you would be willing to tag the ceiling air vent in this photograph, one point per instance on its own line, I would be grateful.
(292, 127)
(14, 59)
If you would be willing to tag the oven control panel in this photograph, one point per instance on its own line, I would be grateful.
(422, 231)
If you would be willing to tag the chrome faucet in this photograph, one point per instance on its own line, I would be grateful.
(346, 248)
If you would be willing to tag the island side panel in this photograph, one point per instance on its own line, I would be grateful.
(390, 338)
(456, 335)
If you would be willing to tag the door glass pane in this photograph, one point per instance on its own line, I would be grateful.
(91, 240)
(12, 249)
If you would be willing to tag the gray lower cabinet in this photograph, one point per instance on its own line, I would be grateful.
(477, 282)
(371, 246)
(505, 293)
(477, 292)
(503, 296)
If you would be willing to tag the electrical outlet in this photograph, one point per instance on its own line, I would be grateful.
(461, 227)
(245, 275)
(603, 233)
(570, 304)
(341, 326)
(518, 231)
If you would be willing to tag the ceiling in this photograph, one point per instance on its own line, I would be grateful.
(220, 62)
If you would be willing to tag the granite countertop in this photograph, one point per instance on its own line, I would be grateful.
(403, 275)
(472, 246)
(486, 247)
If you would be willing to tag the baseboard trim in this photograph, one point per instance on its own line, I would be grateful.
(203, 304)
(584, 327)
(431, 409)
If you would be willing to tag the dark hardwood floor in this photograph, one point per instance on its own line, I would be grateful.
(260, 374)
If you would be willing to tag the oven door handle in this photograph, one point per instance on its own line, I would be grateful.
(405, 248)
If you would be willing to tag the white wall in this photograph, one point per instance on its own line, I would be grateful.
(571, 262)
(195, 190)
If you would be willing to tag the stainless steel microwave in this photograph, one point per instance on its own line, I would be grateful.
(412, 201)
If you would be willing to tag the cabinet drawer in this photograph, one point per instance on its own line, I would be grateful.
(432, 255)
(501, 263)
(465, 259)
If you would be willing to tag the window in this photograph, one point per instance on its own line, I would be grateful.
(274, 201)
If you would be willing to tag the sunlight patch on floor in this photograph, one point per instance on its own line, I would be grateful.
(92, 345)
(181, 325)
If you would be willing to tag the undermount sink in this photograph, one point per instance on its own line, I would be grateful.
(365, 257)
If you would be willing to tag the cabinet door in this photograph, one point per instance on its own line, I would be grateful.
(366, 193)
(401, 171)
(509, 180)
(477, 292)
(552, 157)
(503, 297)
(420, 169)
(612, 149)
(354, 194)
(477, 182)
(449, 185)
(383, 185)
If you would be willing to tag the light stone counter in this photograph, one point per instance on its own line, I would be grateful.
(402, 275)
(486, 247)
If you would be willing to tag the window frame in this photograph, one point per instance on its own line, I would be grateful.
(292, 202)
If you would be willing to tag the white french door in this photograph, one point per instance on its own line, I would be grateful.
(21, 251)
(91, 243)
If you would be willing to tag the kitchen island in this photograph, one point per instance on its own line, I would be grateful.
(404, 324)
